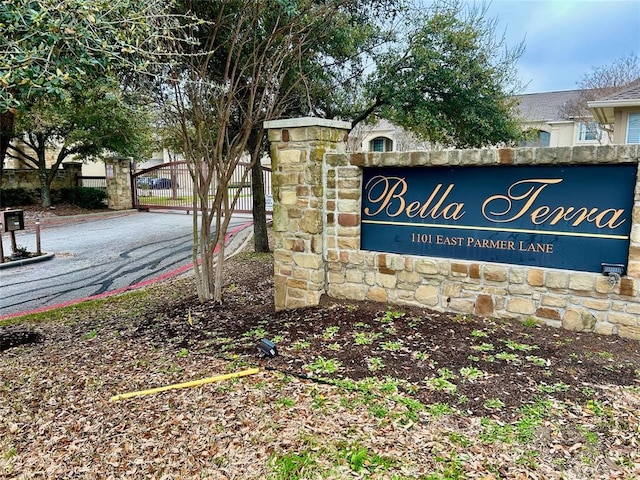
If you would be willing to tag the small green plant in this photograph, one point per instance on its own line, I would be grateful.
(375, 364)
(324, 365)
(285, 402)
(472, 373)
(519, 347)
(301, 345)
(538, 361)
(493, 404)
(479, 334)
(421, 356)
(459, 439)
(293, 466)
(330, 332)
(555, 388)
(440, 409)
(392, 346)
(495, 431)
(530, 322)
(91, 335)
(365, 338)
(606, 355)
(441, 384)
(334, 346)
(391, 315)
(506, 356)
(484, 347)
(357, 458)
(256, 334)
(182, 353)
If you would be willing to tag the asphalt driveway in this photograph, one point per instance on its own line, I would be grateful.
(97, 257)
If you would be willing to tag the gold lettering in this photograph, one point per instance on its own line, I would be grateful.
(530, 195)
(520, 204)
(387, 195)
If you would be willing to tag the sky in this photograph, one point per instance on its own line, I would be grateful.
(564, 39)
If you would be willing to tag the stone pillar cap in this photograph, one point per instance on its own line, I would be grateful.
(307, 122)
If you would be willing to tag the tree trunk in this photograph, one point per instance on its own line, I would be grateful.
(260, 237)
(6, 134)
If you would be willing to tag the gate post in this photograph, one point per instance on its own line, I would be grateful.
(298, 147)
(119, 194)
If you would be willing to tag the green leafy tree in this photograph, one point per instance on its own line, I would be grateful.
(451, 82)
(254, 60)
(51, 49)
(89, 125)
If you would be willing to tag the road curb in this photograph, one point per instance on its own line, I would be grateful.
(27, 261)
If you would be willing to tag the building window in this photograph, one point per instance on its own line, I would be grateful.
(381, 144)
(633, 128)
(536, 138)
(588, 132)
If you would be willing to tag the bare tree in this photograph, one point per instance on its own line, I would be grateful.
(600, 83)
(222, 88)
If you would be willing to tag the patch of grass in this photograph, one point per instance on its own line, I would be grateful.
(90, 336)
(493, 404)
(293, 466)
(182, 353)
(285, 402)
(440, 409)
(439, 383)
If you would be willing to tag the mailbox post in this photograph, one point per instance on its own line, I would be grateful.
(12, 220)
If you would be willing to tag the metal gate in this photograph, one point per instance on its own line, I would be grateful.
(169, 186)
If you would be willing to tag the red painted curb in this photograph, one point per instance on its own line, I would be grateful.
(159, 278)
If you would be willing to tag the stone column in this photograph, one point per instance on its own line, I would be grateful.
(298, 147)
(118, 173)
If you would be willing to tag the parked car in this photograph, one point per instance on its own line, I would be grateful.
(145, 182)
(162, 183)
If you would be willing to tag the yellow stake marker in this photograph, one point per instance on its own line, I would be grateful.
(193, 383)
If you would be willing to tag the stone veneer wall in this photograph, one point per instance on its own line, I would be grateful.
(119, 194)
(317, 207)
(29, 179)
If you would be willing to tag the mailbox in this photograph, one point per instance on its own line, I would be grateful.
(12, 220)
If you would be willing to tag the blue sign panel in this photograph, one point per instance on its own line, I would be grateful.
(570, 217)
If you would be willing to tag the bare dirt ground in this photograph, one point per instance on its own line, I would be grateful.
(358, 390)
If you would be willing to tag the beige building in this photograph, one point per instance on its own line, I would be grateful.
(622, 110)
(543, 116)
